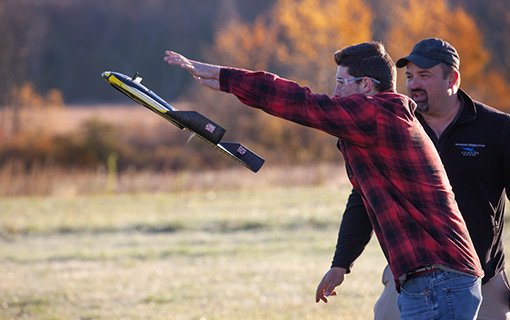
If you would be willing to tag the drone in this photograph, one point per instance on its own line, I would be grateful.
(192, 121)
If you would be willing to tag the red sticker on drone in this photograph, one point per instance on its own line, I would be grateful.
(209, 127)
(241, 150)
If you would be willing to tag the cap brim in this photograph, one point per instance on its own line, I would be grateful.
(420, 61)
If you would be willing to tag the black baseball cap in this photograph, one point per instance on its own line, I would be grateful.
(430, 52)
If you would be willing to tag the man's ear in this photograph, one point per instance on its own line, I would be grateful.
(366, 85)
(453, 79)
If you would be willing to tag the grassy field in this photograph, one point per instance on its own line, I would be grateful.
(202, 255)
(205, 255)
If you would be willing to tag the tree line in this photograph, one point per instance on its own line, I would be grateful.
(54, 51)
(65, 45)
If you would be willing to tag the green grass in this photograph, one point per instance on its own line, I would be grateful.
(202, 255)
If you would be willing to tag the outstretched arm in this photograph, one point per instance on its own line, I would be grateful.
(206, 74)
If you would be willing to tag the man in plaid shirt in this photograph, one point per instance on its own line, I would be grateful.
(392, 164)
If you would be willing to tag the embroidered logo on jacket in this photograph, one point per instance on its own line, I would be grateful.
(469, 149)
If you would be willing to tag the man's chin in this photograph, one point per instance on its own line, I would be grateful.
(422, 107)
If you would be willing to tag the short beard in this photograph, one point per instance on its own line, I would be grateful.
(423, 106)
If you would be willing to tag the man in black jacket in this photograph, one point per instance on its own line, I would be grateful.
(473, 141)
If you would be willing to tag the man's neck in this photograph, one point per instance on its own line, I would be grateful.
(439, 120)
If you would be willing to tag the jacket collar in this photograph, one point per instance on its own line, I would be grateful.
(469, 111)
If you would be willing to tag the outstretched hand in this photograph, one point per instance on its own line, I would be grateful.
(206, 74)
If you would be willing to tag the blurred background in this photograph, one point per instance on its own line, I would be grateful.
(59, 118)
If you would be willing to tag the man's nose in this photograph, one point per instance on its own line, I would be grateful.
(413, 83)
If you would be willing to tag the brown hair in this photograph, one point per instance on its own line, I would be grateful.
(369, 59)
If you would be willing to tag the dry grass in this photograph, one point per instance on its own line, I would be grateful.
(55, 181)
(205, 255)
(195, 255)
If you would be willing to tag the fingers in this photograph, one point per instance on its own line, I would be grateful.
(321, 293)
(332, 279)
(321, 289)
(206, 74)
(174, 58)
(330, 291)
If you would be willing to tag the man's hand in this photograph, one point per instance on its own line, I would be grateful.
(332, 279)
(206, 74)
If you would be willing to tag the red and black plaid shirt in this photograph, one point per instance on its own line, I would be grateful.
(390, 161)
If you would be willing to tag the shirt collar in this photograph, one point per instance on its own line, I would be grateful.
(468, 109)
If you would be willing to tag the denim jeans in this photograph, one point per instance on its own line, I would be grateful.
(441, 295)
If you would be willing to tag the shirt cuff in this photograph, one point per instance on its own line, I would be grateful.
(342, 264)
(226, 79)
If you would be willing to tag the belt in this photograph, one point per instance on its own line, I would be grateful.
(421, 270)
(414, 273)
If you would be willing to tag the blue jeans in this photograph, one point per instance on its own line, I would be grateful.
(441, 295)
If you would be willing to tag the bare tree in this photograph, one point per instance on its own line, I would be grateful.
(22, 35)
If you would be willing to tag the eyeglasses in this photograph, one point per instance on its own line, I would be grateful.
(341, 82)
